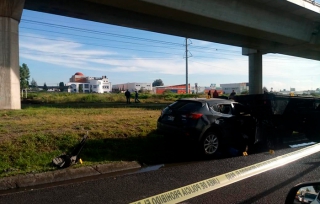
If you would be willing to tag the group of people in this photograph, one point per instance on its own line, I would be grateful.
(136, 95)
(216, 94)
(128, 96)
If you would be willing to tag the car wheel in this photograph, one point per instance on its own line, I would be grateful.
(210, 144)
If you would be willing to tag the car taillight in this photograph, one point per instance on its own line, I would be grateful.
(194, 115)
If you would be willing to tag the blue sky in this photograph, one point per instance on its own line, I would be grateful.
(56, 47)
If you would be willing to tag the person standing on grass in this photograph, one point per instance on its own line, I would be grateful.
(136, 97)
(128, 95)
(209, 94)
(231, 96)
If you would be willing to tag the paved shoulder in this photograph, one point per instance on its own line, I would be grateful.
(70, 173)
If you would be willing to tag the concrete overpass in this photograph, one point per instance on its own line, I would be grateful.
(290, 27)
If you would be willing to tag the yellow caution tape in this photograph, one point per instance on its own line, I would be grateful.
(201, 187)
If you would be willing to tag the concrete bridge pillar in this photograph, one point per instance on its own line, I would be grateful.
(10, 15)
(255, 70)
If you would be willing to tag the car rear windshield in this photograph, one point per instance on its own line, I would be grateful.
(186, 105)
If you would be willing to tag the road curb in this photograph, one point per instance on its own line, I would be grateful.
(28, 180)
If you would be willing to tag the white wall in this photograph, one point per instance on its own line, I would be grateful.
(100, 86)
(237, 87)
(133, 86)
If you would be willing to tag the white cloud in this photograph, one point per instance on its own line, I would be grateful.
(59, 46)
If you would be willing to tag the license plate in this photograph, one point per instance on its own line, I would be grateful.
(171, 118)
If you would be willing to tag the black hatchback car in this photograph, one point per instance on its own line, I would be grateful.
(213, 124)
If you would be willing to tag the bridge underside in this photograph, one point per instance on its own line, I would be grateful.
(265, 25)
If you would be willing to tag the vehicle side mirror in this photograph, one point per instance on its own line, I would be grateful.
(307, 192)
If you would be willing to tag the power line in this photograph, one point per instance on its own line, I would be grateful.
(100, 32)
(76, 56)
(103, 45)
(129, 48)
(212, 48)
(174, 54)
(104, 39)
(123, 36)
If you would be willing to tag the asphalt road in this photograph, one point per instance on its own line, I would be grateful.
(269, 187)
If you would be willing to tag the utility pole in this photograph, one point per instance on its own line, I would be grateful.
(187, 66)
(187, 52)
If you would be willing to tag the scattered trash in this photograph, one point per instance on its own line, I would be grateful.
(66, 160)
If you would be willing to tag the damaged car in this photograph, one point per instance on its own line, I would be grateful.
(214, 124)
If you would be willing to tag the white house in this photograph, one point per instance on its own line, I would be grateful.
(81, 84)
(99, 85)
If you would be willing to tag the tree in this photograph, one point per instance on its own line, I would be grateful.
(45, 86)
(24, 76)
(34, 85)
(61, 86)
(157, 82)
(265, 90)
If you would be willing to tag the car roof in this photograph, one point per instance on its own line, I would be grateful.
(211, 101)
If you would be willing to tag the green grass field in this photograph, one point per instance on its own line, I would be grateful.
(50, 124)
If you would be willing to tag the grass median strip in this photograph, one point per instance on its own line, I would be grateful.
(30, 138)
